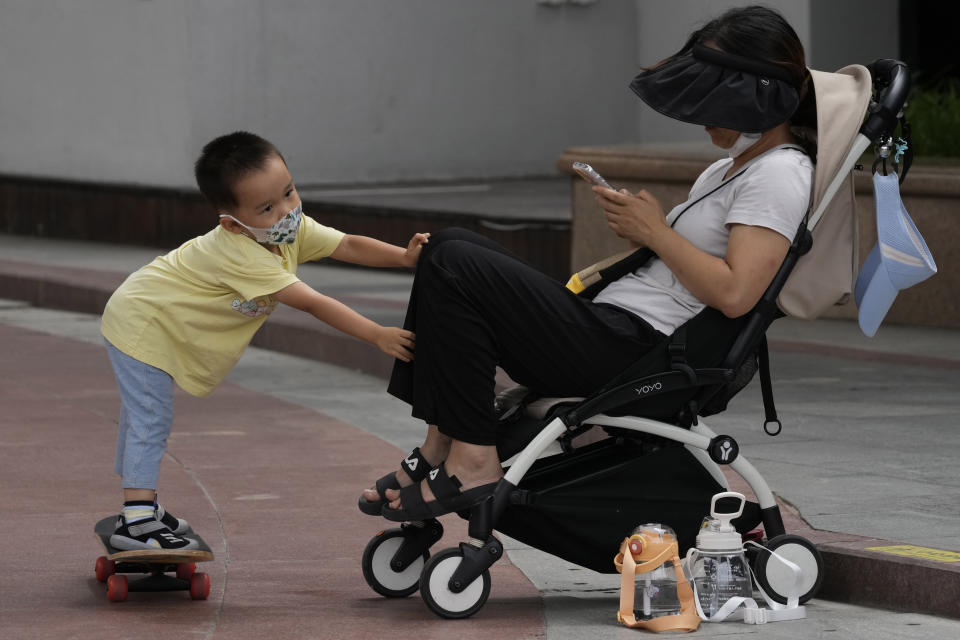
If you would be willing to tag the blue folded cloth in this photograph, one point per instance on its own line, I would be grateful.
(899, 260)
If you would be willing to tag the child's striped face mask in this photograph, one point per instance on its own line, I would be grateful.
(283, 231)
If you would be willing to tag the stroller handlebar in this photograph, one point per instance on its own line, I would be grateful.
(891, 78)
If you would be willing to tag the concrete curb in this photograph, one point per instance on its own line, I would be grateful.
(87, 291)
(854, 573)
(859, 576)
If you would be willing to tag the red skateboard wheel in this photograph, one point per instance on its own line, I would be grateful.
(117, 588)
(105, 568)
(186, 569)
(199, 586)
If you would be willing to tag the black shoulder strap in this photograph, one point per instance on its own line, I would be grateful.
(678, 353)
(766, 388)
(640, 257)
(709, 193)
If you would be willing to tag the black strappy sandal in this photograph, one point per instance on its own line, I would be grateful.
(446, 490)
(415, 465)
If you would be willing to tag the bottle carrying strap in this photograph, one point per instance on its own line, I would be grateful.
(686, 620)
(751, 613)
(777, 612)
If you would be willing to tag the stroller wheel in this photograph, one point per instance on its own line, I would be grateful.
(436, 591)
(378, 572)
(776, 579)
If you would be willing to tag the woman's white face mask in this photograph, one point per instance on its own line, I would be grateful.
(283, 231)
(743, 142)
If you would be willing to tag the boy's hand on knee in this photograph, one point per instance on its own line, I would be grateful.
(412, 254)
(396, 342)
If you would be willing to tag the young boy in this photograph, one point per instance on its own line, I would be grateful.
(188, 316)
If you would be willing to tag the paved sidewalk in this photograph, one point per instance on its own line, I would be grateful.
(281, 443)
(867, 456)
(271, 485)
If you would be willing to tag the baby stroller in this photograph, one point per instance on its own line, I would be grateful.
(580, 503)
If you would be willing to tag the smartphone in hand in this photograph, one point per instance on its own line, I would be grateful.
(590, 174)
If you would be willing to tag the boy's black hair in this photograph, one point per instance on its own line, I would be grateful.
(225, 160)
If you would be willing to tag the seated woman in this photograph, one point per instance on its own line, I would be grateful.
(474, 306)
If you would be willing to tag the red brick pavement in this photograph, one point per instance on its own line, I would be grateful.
(270, 485)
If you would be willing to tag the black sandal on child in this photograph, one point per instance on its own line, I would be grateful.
(446, 490)
(415, 465)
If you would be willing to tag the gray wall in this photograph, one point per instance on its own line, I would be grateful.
(853, 31)
(127, 91)
(95, 90)
(353, 91)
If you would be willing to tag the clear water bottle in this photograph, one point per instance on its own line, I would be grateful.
(656, 591)
(717, 566)
(657, 595)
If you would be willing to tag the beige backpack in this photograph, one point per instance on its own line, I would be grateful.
(826, 275)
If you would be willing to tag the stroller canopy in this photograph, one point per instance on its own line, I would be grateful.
(842, 100)
(825, 276)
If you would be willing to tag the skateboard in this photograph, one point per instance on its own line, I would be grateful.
(155, 563)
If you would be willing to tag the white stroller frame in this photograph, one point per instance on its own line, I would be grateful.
(455, 582)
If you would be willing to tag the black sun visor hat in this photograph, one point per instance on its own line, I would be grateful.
(713, 88)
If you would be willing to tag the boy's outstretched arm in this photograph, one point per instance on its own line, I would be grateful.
(374, 253)
(393, 341)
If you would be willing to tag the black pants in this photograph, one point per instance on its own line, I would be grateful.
(475, 306)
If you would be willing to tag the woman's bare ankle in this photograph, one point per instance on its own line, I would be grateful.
(436, 446)
(474, 465)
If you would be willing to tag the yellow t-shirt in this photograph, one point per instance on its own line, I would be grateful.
(193, 312)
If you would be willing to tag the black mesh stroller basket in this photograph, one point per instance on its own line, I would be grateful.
(580, 507)
(581, 504)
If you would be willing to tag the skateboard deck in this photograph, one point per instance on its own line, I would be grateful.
(154, 562)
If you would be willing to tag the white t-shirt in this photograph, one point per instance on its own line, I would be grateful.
(773, 192)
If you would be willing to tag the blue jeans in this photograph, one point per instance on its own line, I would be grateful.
(146, 415)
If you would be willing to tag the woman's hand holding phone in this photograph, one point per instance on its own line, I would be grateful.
(636, 217)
